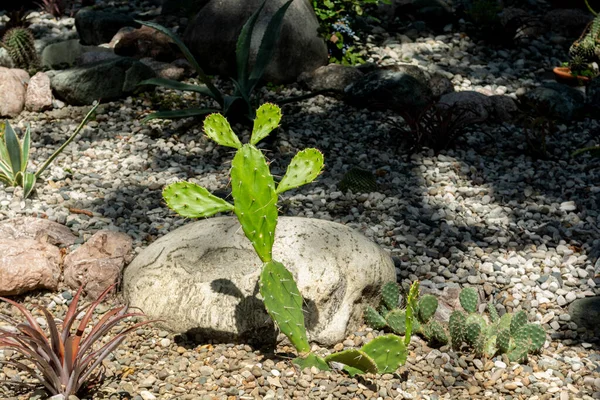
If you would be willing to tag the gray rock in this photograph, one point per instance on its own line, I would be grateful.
(330, 77)
(397, 88)
(478, 104)
(97, 27)
(203, 278)
(440, 85)
(555, 101)
(585, 313)
(212, 36)
(5, 60)
(69, 53)
(503, 108)
(106, 80)
(592, 94)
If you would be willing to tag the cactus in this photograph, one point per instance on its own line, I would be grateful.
(388, 352)
(468, 299)
(358, 181)
(255, 205)
(20, 45)
(374, 319)
(503, 340)
(586, 50)
(472, 332)
(457, 327)
(493, 312)
(428, 304)
(390, 295)
(354, 358)
(517, 322)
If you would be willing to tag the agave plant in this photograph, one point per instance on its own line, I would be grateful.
(14, 156)
(247, 79)
(64, 360)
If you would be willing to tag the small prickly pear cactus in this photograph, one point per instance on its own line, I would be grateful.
(469, 299)
(20, 45)
(255, 195)
(392, 317)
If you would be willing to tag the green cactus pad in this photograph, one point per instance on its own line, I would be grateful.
(533, 335)
(493, 312)
(477, 319)
(311, 360)
(374, 319)
(469, 299)
(428, 305)
(267, 118)
(490, 347)
(354, 358)
(253, 191)
(396, 319)
(218, 129)
(503, 340)
(519, 355)
(390, 293)
(387, 351)
(192, 201)
(457, 327)
(472, 332)
(504, 322)
(284, 303)
(519, 320)
(304, 168)
(437, 333)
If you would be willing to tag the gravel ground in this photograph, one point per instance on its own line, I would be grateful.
(483, 214)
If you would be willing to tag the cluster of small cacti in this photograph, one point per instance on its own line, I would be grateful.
(509, 334)
(390, 316)
(358, 181)
(587, 48)
(20, 45)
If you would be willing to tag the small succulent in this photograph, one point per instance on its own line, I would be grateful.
(64, 360)
(509, 334)
(20, 45)
(394, 318)
(358, 181)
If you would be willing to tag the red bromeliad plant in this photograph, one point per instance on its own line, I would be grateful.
(64, 360)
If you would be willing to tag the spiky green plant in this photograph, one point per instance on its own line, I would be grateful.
(255, 194)
(14, 156)
(509, 334)
(585, 50)
(418, 313)
(20, 45)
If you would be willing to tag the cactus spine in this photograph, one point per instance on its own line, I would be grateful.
(20, 45)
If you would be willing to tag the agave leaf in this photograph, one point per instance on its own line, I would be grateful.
(228, 101)
(28, 183)
(189, 57)
(71, 314)
(32, 372)
(242, 50)
(25, 150)
(32, 322)
(58, 347)
(267, 46)
(13, 146)
(176, 85)
(185, 113)
(6, 174)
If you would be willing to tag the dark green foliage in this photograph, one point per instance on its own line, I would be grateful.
(358, 181)
(20, 44)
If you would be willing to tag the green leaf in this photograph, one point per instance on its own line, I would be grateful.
(267, 46)
(218, 129)
(25, 150)
(267, 118)
(7, 172)
(28, 183)
(304, 168)
(189, 57)
(176, 85)
(193, 201)
(13, 147)
(242, 51)
(172, 114)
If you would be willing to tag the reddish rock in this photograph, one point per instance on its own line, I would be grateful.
(27, 264)
(42, 230)
(39, 94)
(13, 86)
(144, 42)
(98, 262)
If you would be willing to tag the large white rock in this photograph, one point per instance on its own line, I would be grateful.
(203, 278)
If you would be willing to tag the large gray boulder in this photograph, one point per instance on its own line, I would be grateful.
(202, 279)
(555, 100)
(69, 53)
(212, 36)
(106, 80)
(97, 27)
(396, 88)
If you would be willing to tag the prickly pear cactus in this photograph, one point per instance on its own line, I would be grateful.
(390, 295)
(374, 319)
(428, 305)
(354, 358)
(388, 352)
(469, 299)
(358, 181)
(255, 204)
(457, 327)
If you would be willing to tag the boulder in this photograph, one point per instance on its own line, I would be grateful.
(479, 105)
(440, 85)
(504, 108)
(203, 278)
(39, 93)
(333, 77)
(165, 70)
(69, 53)
(98, 263)
(40, 229)
(555, 100)
(212, 36)
(106, 80)
(400, 87)
(145, 42)
(26, 265)
(586, 314)
(97, 27)
(13, 87)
